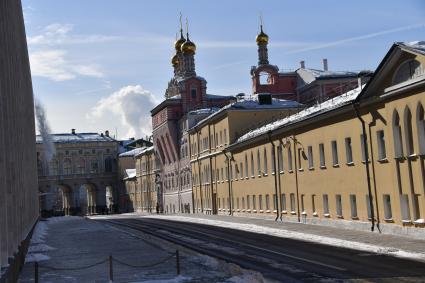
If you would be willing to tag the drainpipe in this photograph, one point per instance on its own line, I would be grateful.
(199, 173)
(372, 210)
(296, 177)
(229, 159)
(275, 176)
(280, 185)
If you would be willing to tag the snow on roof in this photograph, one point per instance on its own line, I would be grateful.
(133, 152)
(253, 104)
(204, 111)
(145, 149)
(327, 74)
(326, 106)
(131, 173)
(77, 137)
(215, 96)
(418, 46)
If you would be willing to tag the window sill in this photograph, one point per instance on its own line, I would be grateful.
(261, 211)
(259, 176)
(281, 172)
(335, 166)
(254, 211)
(290, 171)
(311, 168)
(327, 215)
(248, 210)
(383, 160)
(303, 213)
(243, 210)
(355, 217)
(273, 173)
(246, 178)
(419, 221)
(274, 211)
(364, 162)
(406, 221)
(300, 169)
(389, 220)
(265, 174)
(253, 176)
(322, 167)
(284, 212)
(293, 212)
(350, 163)
(340, 216)
(412, 156)
(238, 210)
(315, 214)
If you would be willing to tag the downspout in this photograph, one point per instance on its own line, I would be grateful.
(191, 177)
(199, 173)
(280, 185)
(372, 210)
(296, 177)
(229, 180)
(374, 180)
(275, 176)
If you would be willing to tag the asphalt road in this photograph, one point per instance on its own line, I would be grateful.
(279, 259)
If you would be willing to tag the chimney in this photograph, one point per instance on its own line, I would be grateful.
(302, 64)
(325, 64)
(107, 133)
(73, 131)
(101, 134)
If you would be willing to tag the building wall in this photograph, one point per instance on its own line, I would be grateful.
(76, 180)
(146, 194)
(18, 169)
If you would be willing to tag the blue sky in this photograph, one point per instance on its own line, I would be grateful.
(103, 64)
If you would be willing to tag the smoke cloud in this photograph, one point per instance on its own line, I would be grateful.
(132, 104)
(44, 129)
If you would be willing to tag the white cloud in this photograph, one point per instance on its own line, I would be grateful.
(54, 65)
(59, 34)
(132, 104)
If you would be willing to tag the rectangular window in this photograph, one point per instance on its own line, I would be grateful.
(322, 155)
(280, 159)
(369, 210)
(248, 201)
(338, 205)
(313, 204)
(348, 150)
(302, 205)
(246, 165)
(300, 156)
(241, 171)
(193, 93)
(289, 159)
(388, 214)
(283, 202)
(243, 203)
(267, 202)
(254, 200)
(252, 165)
(258, 163)
(310, 157)
(273, 160)
(274, 202)
(405, 210)
(265, 162)
(334, 153)
(382, 153)
(353, 202)
(325, 205)
(225, 136)
(260, 202)
(237, 203)
(221, 137)
(292, 198)
(364, 148)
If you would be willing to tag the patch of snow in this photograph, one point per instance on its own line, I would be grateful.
(146, 150)
(321, 73)
(326, 106)
(417, 45)
(131, 173)
(36, 257)
(77, 137)
(247, 277)
(178, 279)
(133, 152)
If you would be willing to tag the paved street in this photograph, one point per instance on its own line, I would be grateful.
(283, 259)
(66, 247)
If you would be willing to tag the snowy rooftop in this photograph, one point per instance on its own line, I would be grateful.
(131, 173)
(133, 152)
(145, 149)
(77, 137)
(326, 106)
(418, 46)
(204, 111)
(330, 74)
(253, 104)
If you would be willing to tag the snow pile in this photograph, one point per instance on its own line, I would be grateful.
(299, 236)
(178, 279)
(322, 74)
(417, 45)
(145, 150)
(326, 106)
(37, 244)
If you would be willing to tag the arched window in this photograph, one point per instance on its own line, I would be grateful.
(81, 166)
(398, 141)
(265, 78)
(67, 167)
(94, 166)
(408, 131)
(420, 122)
(407, 71)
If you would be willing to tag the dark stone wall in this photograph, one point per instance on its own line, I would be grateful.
(18, 169)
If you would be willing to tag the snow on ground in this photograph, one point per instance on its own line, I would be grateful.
(38, 247)
(299, 236)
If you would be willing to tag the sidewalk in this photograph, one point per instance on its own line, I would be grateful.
(75, 249)
(401, 246)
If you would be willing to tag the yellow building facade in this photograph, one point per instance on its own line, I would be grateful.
(146, 193)
(356, 160)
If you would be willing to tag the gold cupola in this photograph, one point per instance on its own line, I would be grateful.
(179, 42)
(188, 47)
(175, 60)
(262, 37)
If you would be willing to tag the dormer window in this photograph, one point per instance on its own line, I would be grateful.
(408, 70)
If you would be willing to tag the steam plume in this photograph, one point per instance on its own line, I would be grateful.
(44, 129)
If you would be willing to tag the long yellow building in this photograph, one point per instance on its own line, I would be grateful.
(356, 159)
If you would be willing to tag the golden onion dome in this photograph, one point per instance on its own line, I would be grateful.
(179, 42)
(175, 60)
(188, 47)
(262, 37)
